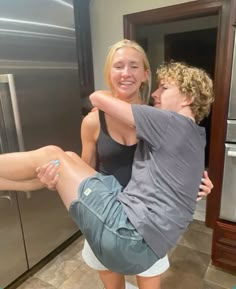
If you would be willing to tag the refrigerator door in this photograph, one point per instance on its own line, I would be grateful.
(38, 47)
(228, 196)
(12, 249)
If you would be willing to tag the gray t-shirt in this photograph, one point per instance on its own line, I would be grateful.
(160, 198)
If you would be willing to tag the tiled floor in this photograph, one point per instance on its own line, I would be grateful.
(190, 267)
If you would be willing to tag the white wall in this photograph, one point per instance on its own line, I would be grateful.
(107, 26)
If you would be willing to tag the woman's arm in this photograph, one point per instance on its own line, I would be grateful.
(90, 128)
(205, 187)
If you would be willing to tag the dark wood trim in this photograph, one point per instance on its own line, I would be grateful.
(84, 46)
(226, 15)
(170, 13)
(223, 65)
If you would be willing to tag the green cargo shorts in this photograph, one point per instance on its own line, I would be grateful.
(106, 227)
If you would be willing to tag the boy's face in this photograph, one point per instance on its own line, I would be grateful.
(168, 96)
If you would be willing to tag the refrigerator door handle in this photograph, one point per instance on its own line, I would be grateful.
(28, 195)
(7, 197)
(8, 78)
(231, 153)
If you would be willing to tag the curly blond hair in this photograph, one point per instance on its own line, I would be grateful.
(145, 88)
(191, 81)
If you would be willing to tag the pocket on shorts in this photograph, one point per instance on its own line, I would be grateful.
(125, 229)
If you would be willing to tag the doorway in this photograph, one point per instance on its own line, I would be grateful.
(197, 48)
(224, 11)
(176, 41)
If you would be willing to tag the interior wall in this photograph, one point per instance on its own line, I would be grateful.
(106, 18)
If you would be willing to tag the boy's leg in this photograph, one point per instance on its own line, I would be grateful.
(22, 166)
(23, 185)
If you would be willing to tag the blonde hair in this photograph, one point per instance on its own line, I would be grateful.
(191, 81)
(145, 87)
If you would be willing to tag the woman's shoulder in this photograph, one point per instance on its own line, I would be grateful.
(90, 122)
(92, 118)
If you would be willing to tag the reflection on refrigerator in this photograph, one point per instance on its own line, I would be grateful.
(39, 105)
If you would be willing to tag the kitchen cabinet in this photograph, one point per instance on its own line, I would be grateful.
(224, 245)
(224, 234)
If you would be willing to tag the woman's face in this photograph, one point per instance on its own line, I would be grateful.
(127, 73)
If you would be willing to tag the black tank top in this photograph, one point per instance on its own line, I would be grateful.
(113, 158)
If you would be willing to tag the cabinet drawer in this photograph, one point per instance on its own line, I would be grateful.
(225, 233)
(224, 245)
(225, 256)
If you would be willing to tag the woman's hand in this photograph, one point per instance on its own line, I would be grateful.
(205, 187)
(48, 174)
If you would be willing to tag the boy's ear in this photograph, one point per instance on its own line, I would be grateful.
(187, 100)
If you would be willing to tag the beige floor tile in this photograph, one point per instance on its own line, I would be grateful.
(189, 267)
(130, 286)
(189, 261)
(173, 279)
(197, 240)
(82, 278)
(131, 280)
(57, 271)
(209, 285)
(220, 277)
(73, 251)
(199, 226)
(35, 283)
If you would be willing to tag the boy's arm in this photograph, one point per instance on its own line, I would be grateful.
(114, 107)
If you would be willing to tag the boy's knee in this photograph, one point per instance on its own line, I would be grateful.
(71, 154)
(52, 151)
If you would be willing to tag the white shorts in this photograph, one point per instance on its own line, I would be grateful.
(91, 260)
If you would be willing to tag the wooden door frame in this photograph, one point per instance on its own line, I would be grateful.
(226, 12)
(84, 46)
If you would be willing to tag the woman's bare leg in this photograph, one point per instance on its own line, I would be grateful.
(149, 282)
(112, 280)
(22, 166)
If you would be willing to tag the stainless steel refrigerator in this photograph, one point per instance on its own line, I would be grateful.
(39, 105)
(228, 195)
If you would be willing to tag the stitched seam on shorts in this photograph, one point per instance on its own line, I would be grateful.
(109, 229)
